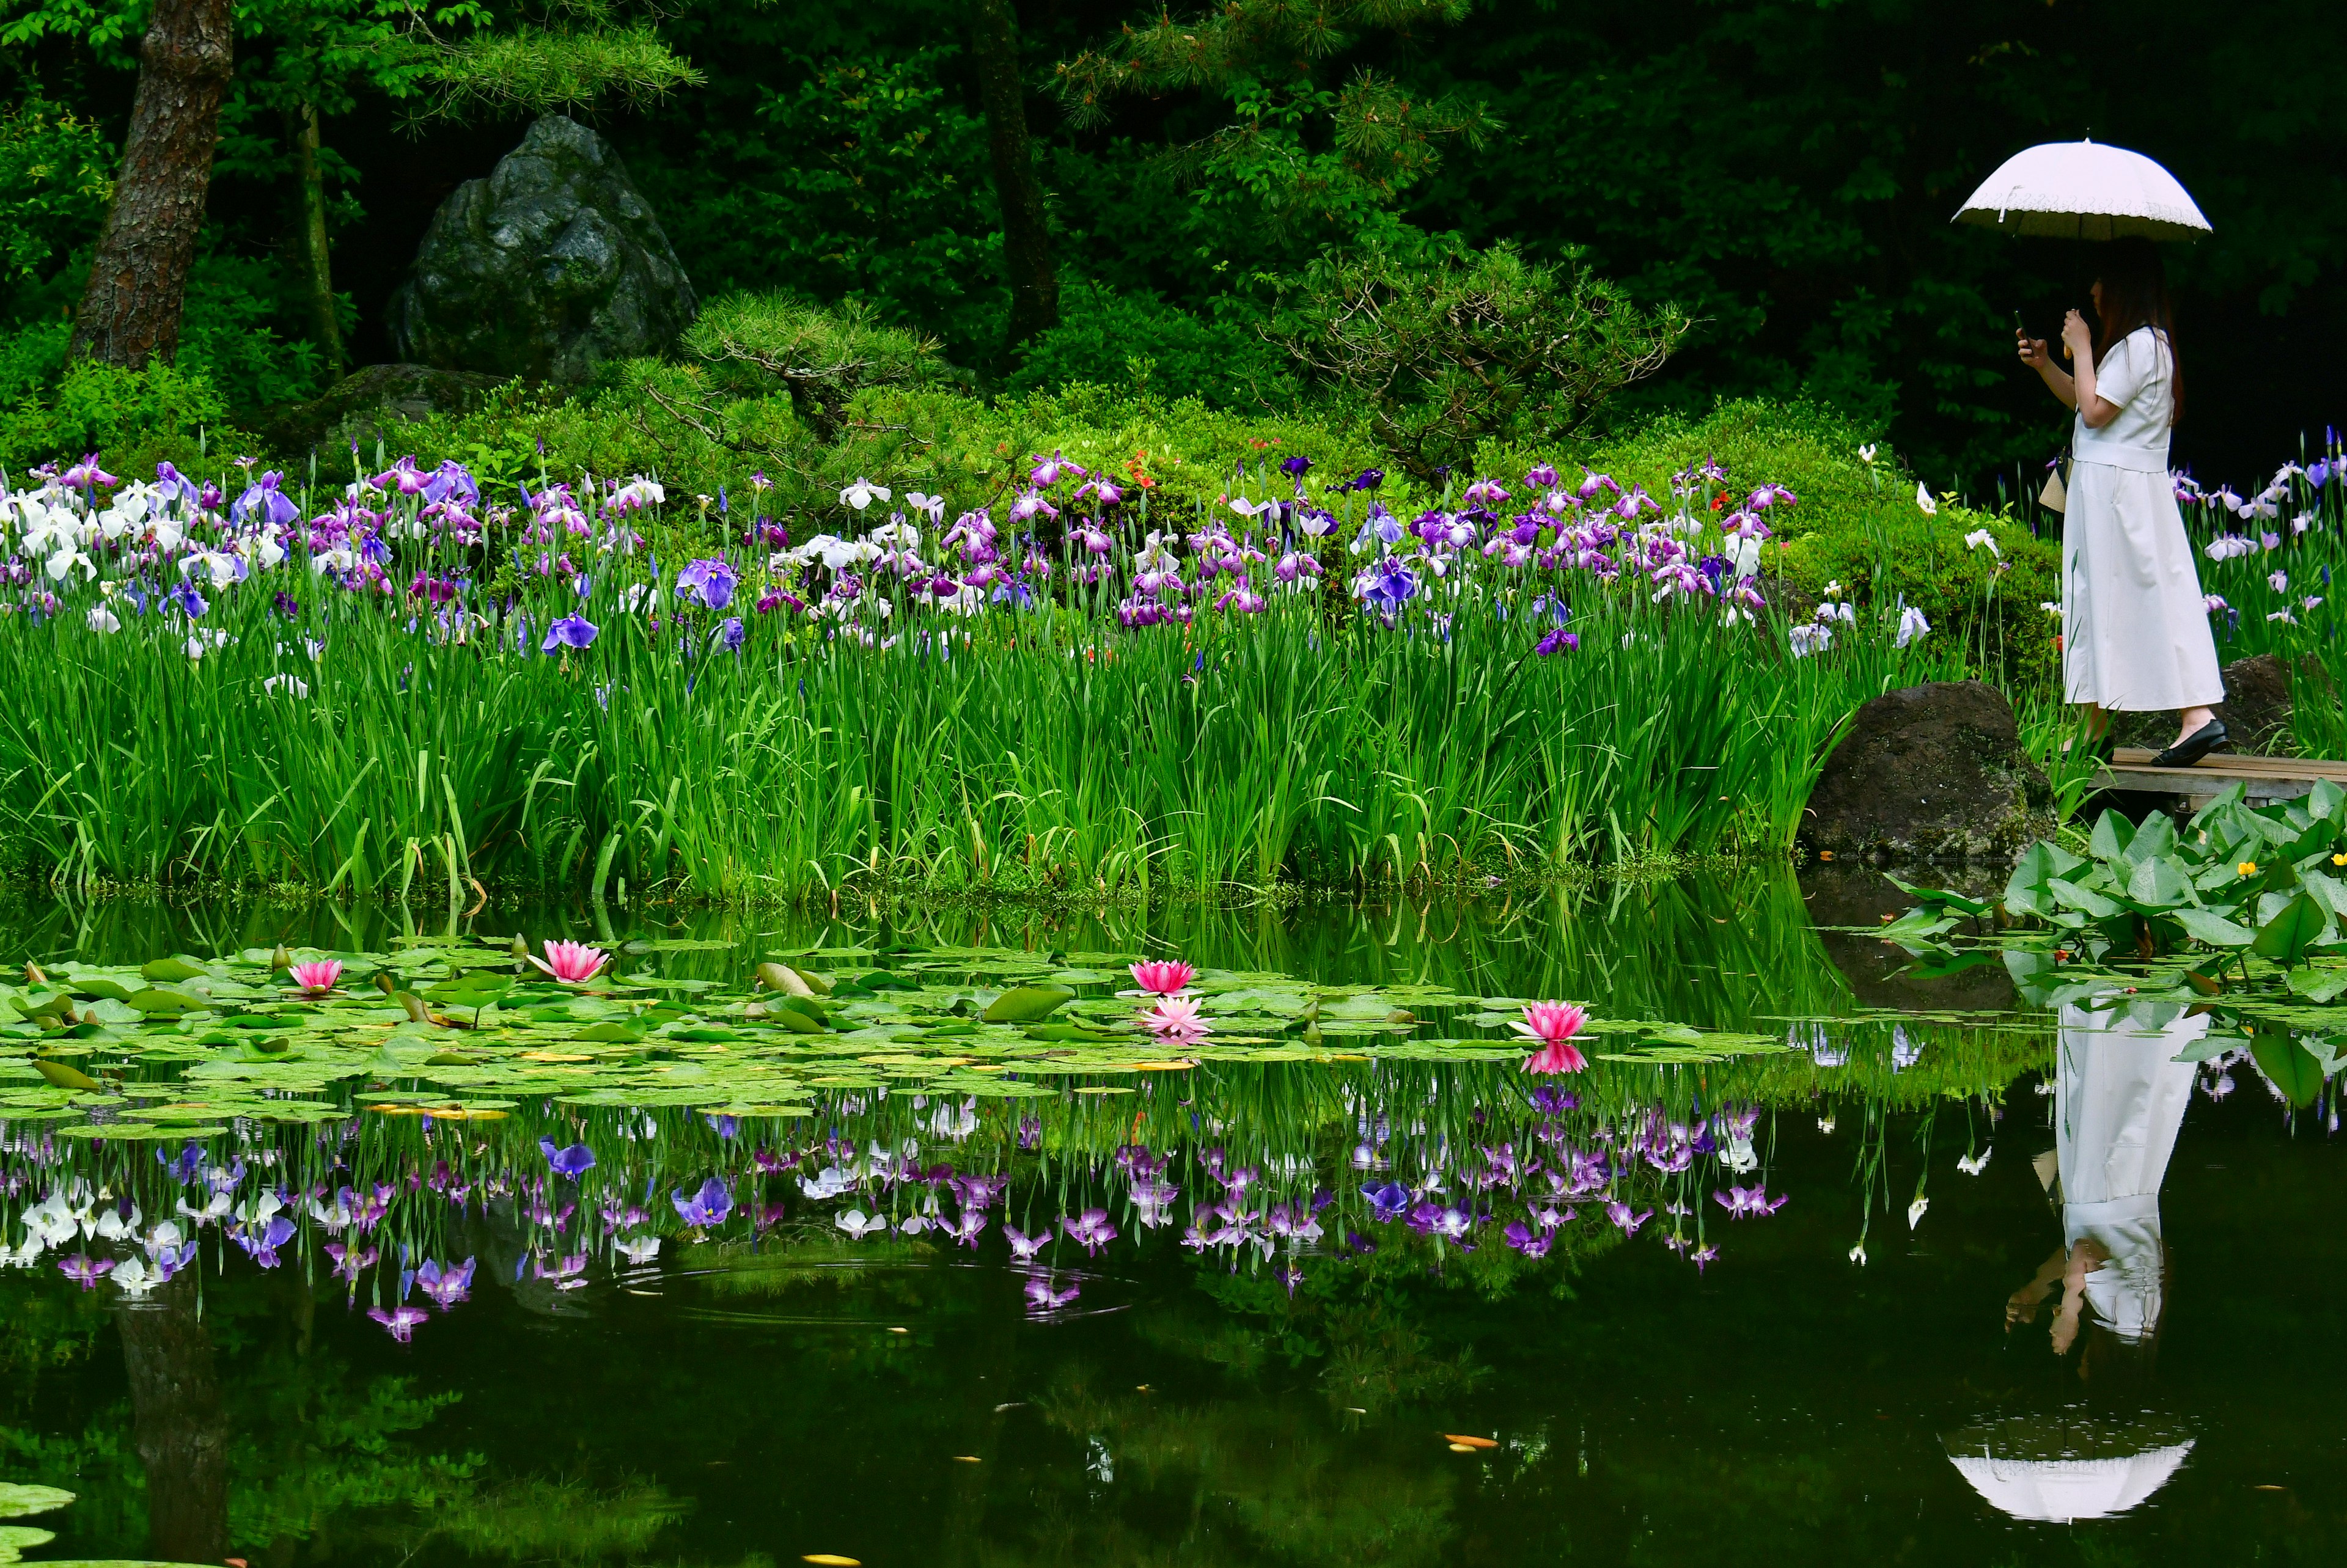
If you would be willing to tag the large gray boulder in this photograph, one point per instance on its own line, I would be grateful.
(1933, 772)
(546, 269)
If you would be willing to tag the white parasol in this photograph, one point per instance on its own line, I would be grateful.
(2067, 1489)
(2084, 191)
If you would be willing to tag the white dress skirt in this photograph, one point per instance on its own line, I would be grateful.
(2134, 627)
(2119, 1097)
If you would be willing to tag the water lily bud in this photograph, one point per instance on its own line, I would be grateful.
(385, 983)
(783, 978)
(518, 949)
(33, 975)
(283, 958)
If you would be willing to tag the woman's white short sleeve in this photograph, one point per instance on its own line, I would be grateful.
(2124, 370)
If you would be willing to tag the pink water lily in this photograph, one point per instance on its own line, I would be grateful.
(1553, 1025)
(1163, 977)
(573, 963)
(1177, 1017)
(317, 978)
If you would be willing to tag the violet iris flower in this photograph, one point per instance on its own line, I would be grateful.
(731, 635)
(400, 1322)
(265, 497)
(191, 604)
(451, 479)
(707, 1208)
(1388, 1202)
(1366, 480)
(1089, 1230)
(87, 473)
(570, 631)
(171, 480)
(403, 477)
(445, 1286)
(1295, 468)
(84, 1270)
(1557, 642)
(1387, 587)
(1042, 1298)
(708, 582)
(1523, 1238)
(572, 1161)
(1023, 1247)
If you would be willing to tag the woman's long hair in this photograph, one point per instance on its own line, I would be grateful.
(2135, 294)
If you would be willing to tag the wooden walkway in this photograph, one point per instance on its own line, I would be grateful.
(2266, 778)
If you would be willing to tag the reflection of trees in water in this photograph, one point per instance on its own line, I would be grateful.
(181, 1422)
(1235, 1478)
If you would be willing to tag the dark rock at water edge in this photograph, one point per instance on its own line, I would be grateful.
(2255, 709)
(370, 404)
(1935, 772)
(547, 269)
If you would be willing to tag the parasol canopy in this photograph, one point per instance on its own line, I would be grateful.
(2084, 191)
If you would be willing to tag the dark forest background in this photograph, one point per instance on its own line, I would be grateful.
(1782, 170)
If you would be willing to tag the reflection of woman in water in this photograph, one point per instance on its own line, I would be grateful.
(2118, 1098)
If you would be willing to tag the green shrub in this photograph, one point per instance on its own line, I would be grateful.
(1156, 349)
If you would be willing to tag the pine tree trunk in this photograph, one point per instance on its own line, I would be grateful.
(316, 261)
(1026, 228)
(138, 279)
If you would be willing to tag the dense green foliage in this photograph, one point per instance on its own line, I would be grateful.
(1780, 170)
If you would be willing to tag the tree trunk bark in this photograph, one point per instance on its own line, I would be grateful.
(178, 1425)
(138, 279)
(1026, 228)
(316, 262)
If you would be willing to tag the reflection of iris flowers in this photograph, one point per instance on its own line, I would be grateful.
(400, 1322)
(447, 1286)
(573, 1162)
(706, 1209)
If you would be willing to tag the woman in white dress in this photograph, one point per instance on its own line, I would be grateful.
(2136, 635)
(2119, 1097)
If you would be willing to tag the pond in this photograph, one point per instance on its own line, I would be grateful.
(958, 1259)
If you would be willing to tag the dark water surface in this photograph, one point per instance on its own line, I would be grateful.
(1293, 1378)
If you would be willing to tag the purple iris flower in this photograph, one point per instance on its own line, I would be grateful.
(452, 479)
(84, 1270)
(400, 1322)
(445, 1286)
(210, 496)
(708, 582)
(1366, 480)
(731, 635)
(1388, 1202)
(262, 496)
(1551, 1101)
(573, 1162)
(1089, 1230)
(87, 473)
(170, 478)
(403, 477)
(1557, 642)
(570, 631)
(190, 602)
(1526, 1241)
(286, 605)
(706, 1209)
(1042, 1298)
(1387, 587)
(1295, 468)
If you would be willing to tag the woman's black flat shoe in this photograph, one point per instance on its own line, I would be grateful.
(2184, 754)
